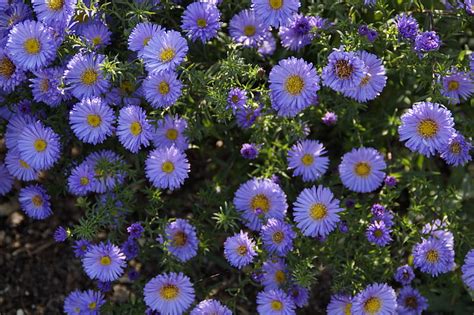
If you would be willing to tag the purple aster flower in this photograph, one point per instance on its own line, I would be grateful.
(239, 250)
(201, 21)
(162, 89)
(275, 302)
(130, 248)
(468, 270)
(307, 159)
(277, 237)
(344, 71)
(372, 83)
(47, 86)
(30, 45)
(141, 35)
(438, 229)
(210, 307)
(92, 120)
(426, 42)
(247, 28)
(39, 146)
(404, 275)
(407, 26)
(427, 128)
(343, 227)
(457, 150)
(85, 77)
(15, 127)
(267, 46)
(316, 211)
(10, 75)
(300, 295)
(97, 34)
(390, 181)
(16, 12)
(411, 302)
(433, 256)
(18, 167)
(106, 166)
(372, 35)
(73, 304)
(236, 99)
(246, 116)
(340, 304)
(60, 234)
(182, 239)
(34, 201)
(379, 213)
(361, 170)
(375, 299)
(6, 184)
(329, 118)
(164, 52)
(104, 286)
(167, 168)
(275, 12)
(169, 293)
(104, 261)
(135, 230)
(457, 86)
(274, 274)
(300, 30)
(378, 233)
(53, 12)
(260, 196)
(134, 130)
(249, 151)
(170, 131)
(92, 302)
(293, 86)
(133, 274)
(363, 30)
(81, 247)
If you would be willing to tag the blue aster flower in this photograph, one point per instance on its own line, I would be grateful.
(104, 261)
(274, 274)
(92, 302)
(344, 71)
(362, 170)
(10, 75)
(164, 52)
(378, 233)
(340, 304)
(268, 45)
(329, 118)
(236, 99)
(249, 151)
(6, 184)
(404, 275)
(411, 302)
(16, 12)
(135, 230)
(426, 42)
(299, 295)
(167, 168)
(73, 304)
(97, 34)
(307, 160)
(426, 128)
(246, 116)
(82, 180)
(134, 129)
(375, 299)
(210, 307)
(92, 120)
(85, 77)
(60, 234)
(130, 248)
(141, 35)
(182, 239)
(170, 131)
(81, 247)
(468, 270)
(275, 302)
(239, 250)
(53, 12)
(34, 201)
(169, 293)
(433, 256)
(39, 146)
(293, 86)
(105, 164)
(200, 20)
(162, 89)
(301, 30)
(18, 167)
(30, 45)
(47, 86)
(438, 229)
(259, 199)
(316, 211)
(457, 150)
(247, 28)
(275, 12)
(457, 86)
(407, 26)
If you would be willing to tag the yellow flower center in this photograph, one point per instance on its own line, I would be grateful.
(249, 30)
(167, 167)
(24, 164)
(453, 85)
(372, 305)
(275, 4)
(92, 305)
(432, 256)
(411, 302)
(294, 85)
(242, 250)
(7, 67)
(94, 120)
(179, 239)
(280, 277)
(378, 233)
(169, 292)
(37, 200)
(307, 159)
(105, 261)
(126, 86)
(135, 128)
(260, 201)
(40, 145)
(32, 46)
(163, 88)
(146, 40)
(172, 134)
(55, 5)
(347, 309)
(362, 169)
(235, 99)
(84, 181)
(318, 211)
(455, 148)
(201, 23)
(343, 69)
(278, 237)
(167, 54)
(89, 77)
(97, 40)
(427, 128)
(44, 85)
(365, 80)
(276, 305)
